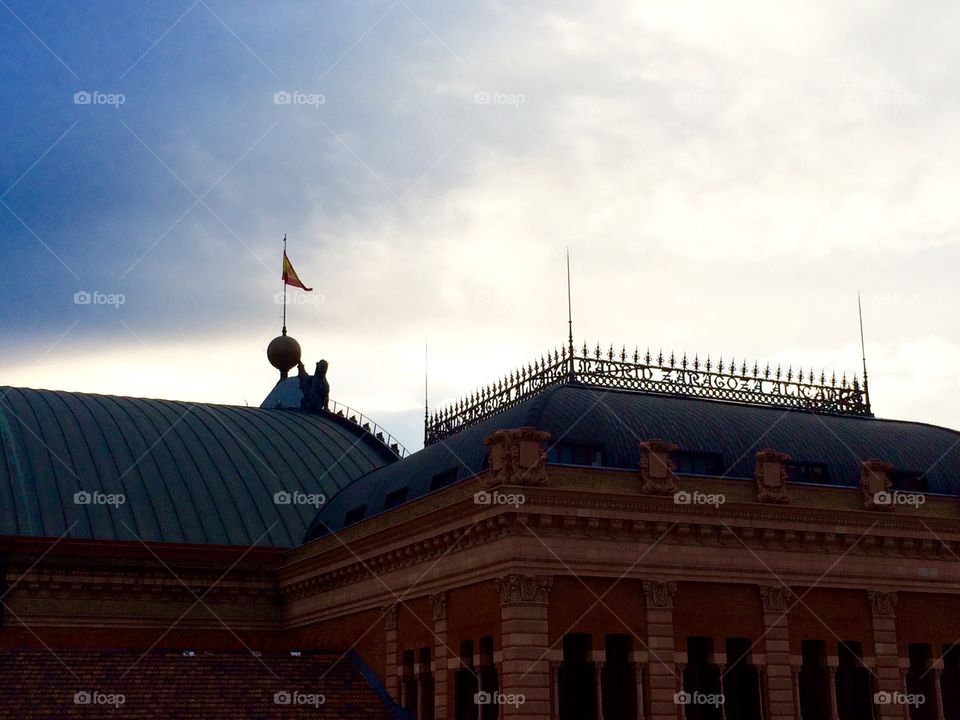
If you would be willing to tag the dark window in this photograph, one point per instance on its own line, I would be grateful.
(618, 681)
(693, 462)
(466, 685)
(397, 497)
(701, 681)
(489, 679)
(909, 481)
(814, 681)
(355, 515)
(808, 472)
(408, 690)
(576, 453)
(577, 681)
(741, 682)
(426, 686)
(854, 701)
(950, 681)
(920, 681)
(442, 479)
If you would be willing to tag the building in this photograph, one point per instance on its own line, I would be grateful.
(596, 536)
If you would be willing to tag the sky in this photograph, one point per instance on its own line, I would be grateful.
(726, 176)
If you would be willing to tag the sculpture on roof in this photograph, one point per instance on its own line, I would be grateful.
(315, 389)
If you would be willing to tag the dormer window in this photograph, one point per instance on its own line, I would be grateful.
(397, 497)
(576, 453)
(696, 462)
(355, 515)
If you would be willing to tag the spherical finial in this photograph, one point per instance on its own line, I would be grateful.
(283, 352)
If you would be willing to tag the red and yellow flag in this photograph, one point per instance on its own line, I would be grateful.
(290, 275)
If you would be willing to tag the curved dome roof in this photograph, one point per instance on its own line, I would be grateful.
(616, 420)
(189, 472)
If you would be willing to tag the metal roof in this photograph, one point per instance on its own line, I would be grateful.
(189, 472)
(618, 419)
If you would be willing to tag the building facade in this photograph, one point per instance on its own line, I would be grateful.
(597, 536)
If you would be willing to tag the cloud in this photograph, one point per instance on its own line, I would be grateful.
(727, 178)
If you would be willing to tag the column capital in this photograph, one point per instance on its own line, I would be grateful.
(884, 604)
(517, 588)
(439, 603)
(390, 613)
(659, 594)
(776, 598)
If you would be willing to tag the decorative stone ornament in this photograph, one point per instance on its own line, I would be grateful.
(883, 603)
(876, 484)
(771, 474)
(524, 588)
(656, 467)
(517, 457)
(659, 594)
(390, 617)
(439, 603)
(776, 598)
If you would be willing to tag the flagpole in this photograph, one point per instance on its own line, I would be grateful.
(283, 285)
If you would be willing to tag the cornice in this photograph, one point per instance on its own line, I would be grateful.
(614, 517)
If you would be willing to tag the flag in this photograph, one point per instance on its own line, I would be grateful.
(290, 275)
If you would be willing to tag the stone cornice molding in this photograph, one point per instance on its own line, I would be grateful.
(730, 530)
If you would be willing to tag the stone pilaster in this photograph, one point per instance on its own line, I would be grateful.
(780, 691)
(889, 678)
(661, 667)
(390, 627)
(525, 644)
(440, 655)
(638, 679)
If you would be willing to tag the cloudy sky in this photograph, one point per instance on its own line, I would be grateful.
(726, 176)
